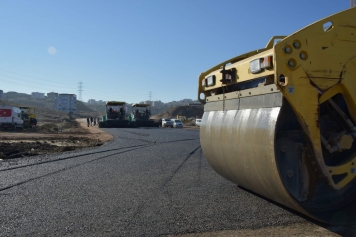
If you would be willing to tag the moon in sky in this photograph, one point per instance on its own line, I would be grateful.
(52, 50)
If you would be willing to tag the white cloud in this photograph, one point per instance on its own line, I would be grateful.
(52, 50)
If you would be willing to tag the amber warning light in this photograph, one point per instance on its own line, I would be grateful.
(259, 64)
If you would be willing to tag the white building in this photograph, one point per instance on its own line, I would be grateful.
(157, 103)
(66, 103)
(92, 102)
(146, 102)
(38, 95)
(52, 95)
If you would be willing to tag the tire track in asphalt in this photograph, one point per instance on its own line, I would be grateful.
(66, 158)
(144, 135)
(178, 168)
(82, 163)
(161, 187)
(64, 169)
(89, 153)
(136, 133)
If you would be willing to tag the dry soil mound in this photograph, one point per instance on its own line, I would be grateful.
(186, 110)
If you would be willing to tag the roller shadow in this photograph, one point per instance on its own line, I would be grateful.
(343, 230)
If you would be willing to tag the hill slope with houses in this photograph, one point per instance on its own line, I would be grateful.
(45, 107)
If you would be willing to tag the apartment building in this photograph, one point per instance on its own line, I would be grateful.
(66, 103)
(52, 95)
(157, 103)
(38, 95)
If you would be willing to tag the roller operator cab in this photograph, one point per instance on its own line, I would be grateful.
(281, 120)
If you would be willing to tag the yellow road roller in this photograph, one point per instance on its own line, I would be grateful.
(281, 121)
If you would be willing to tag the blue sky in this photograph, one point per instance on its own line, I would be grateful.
(123, 50)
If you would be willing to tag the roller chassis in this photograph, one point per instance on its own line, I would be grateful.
(287, 131)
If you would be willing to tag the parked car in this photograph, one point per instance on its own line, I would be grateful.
(166, 122)
(10, 117)
(177, 123)
(198, 122)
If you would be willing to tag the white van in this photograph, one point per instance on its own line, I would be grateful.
(10, 117)
(198, 122)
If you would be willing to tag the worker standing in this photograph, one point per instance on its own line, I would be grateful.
(88, 121)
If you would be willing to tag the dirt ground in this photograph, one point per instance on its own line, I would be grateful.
(63, 135)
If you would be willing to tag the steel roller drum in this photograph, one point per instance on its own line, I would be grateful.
(240, 145)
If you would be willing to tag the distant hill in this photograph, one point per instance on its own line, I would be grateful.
(100, 109)
(21, 99)
(82, 107)
(10, 95)
(45, 107)
(185, 110)
(43, 114)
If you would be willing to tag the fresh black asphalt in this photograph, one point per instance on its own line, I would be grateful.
(145, 182)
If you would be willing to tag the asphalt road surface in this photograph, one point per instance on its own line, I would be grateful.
(145, 182)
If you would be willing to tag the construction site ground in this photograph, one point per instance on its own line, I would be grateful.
(65, 135)
(60, 132)
(55, 137)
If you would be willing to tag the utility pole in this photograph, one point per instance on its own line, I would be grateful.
(80, 90)
(150, 95)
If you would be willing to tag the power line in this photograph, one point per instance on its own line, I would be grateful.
(33, 79)
(10, 81)
(107, 92)
(8, 77)
(96, 93)
(80, 90)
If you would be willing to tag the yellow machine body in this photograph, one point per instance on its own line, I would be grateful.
(281, 121)
(28, 116)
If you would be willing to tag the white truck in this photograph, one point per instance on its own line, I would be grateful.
(10, 117)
